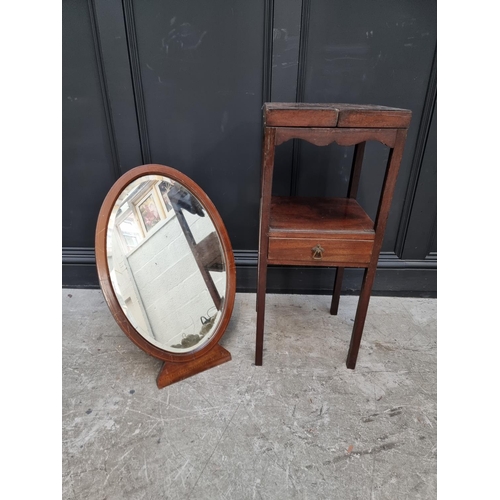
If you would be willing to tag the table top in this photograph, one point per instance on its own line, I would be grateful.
(340, 115)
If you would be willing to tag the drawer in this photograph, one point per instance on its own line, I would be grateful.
(330, 252)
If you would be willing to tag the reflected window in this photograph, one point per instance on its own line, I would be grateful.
(130, 233)
(143, 211)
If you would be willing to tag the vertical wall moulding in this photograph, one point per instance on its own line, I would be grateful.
(267, 73)
(301, 84)
(104, 88)
(84, 256)
(416, 165)
(135, 69)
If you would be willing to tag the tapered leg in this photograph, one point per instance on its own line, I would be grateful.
(261, 306)
(393, 162)
(359, 321)
(339, 275)
(257, 295)
(265, 209)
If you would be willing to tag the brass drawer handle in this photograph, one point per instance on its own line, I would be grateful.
(317, 252)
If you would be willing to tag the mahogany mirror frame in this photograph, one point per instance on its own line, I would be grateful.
(177, 366)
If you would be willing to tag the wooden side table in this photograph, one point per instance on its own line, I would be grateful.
(330, 232)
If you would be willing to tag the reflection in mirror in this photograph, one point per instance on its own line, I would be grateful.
(166, 264)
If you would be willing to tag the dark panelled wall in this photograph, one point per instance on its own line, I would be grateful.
(182, 84)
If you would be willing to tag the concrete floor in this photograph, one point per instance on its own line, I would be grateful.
(301, 426)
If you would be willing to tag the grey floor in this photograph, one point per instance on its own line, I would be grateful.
(301, 426)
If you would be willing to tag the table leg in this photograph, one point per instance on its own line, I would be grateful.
(339, 275)
(359, 321)
(261, 305)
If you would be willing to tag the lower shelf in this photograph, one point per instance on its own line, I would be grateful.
(333, 232)
(332, 217)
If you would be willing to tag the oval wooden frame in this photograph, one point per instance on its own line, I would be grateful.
(105, 279)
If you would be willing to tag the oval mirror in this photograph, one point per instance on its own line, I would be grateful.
(166, 269)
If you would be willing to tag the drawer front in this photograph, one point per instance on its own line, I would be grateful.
(320, 252)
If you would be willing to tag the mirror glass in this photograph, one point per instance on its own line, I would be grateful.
(166, 264)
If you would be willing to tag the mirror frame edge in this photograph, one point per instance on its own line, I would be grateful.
(104, 276)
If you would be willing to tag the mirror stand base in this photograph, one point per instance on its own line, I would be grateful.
(175, 372)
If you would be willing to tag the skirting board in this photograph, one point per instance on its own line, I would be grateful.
(394, 277)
